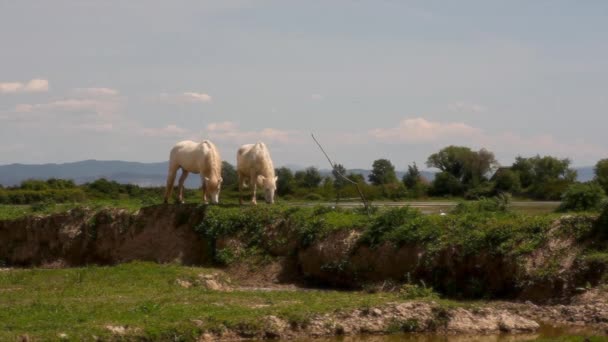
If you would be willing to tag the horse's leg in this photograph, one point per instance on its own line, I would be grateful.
(170, 181)
(203, 188)
(240, 179)
(253, 180)
(182, 179)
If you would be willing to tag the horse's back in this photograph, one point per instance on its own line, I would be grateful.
(252, 156)
(186, 154)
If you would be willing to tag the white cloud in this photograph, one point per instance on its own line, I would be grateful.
(170, 130)
(420, 130)
(228, 131)
(316, 97)
(186, 97)
(96, 91)
(36, 85)
(467, 107)
(10, 87)
(32, 86)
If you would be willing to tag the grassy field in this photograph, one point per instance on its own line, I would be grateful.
(146, 298)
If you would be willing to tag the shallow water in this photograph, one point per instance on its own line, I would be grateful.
(545, 332)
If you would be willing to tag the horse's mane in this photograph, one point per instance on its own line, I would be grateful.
(267, 168)
(214, 159)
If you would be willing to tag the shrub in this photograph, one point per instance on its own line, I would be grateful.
(499, 203)
(412, 291)
(582, 197)
(314, 197)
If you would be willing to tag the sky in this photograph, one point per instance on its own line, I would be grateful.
(126, 80)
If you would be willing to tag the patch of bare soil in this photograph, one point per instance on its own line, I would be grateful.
(392, 318)
(588, 310)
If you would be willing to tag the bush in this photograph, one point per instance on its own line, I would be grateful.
(480, 191)
(499, 203)
(582, 197)
(313, 197)
(35, 196)
(412, 291)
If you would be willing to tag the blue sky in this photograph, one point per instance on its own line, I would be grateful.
(393, 79)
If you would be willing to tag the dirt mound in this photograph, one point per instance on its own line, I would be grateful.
(83, 236)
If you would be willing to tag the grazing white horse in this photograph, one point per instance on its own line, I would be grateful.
(254, 166)
(199, 158)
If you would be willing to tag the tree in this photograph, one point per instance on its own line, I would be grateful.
(601, 174)
(339, 182)
(356, 177)
(229, 176)
(412, 176)
(416, 184)
(309, 178)
(506, 180)
(544, 177)
(383, 172)
(446, 184)
(285, 182)
(467, 166)
(525, 170)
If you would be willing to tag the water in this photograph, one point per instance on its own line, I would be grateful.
(546, 332)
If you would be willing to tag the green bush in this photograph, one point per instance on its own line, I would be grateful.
(35, 196)
(499, 203)
(313, 197)
(582, 197)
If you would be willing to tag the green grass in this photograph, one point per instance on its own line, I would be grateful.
(12, 212)
(80, 302)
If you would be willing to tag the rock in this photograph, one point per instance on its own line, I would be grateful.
(184, 283)
(117, 329)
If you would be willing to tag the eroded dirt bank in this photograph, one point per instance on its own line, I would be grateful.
(81, 236)
(555, 270)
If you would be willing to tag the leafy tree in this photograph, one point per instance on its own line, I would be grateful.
(285, 182)
(356, 177)
(412, 176)
(544, 177)
(525, 170)
(467, 166)
(446, 184)
(601, 174)
(309, 178)
(583, 196)
(383, 172)
(506, 180)
(415, 183)
(339, 182)
(229, 176)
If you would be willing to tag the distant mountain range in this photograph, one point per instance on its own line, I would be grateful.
(144, 174)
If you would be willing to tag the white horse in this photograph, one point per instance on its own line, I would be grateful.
(254, 166)
(199, 158)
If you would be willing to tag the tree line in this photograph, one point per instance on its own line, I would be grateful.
(463, 173)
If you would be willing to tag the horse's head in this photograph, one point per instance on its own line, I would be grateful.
(270, 186)
(213, 186)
